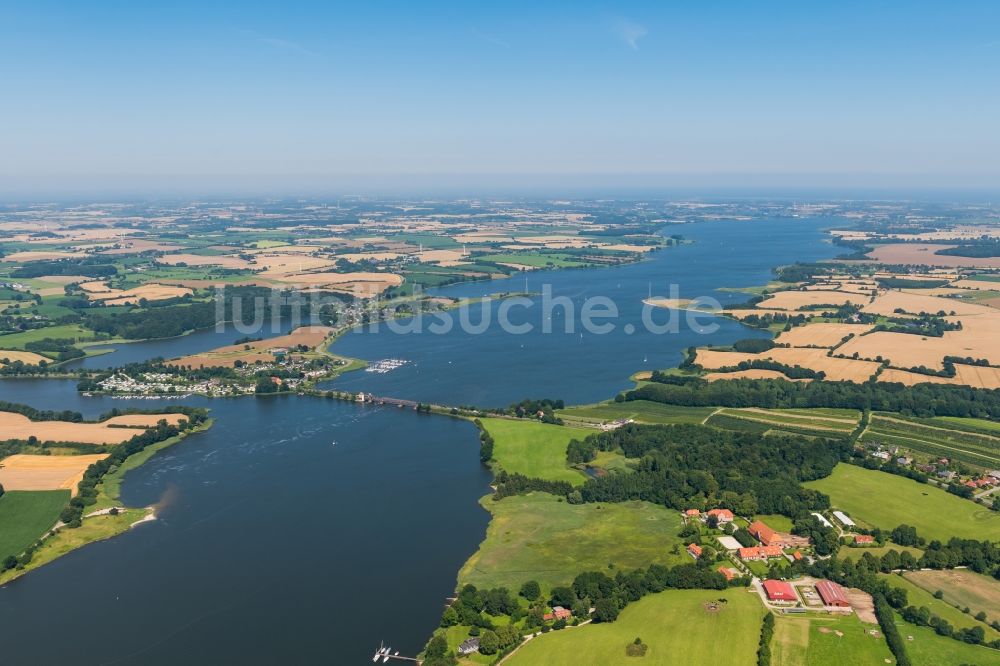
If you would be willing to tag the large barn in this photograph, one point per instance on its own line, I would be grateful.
(832, 594)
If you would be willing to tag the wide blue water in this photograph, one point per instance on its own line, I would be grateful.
(304, 531)
(494, 368)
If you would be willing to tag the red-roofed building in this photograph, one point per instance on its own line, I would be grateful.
(727, 572)
(722, 516)
(692, 513)
(832, 594)
(759, 552)
(797, 555)
(778, 590)
(694, 550)
(863, 539)
(764, 534)
(558, 613)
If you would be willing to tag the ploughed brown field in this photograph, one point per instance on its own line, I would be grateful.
(28, 472)
(115, 430)
(250, 352)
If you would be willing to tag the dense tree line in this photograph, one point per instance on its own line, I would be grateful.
(508, 484)
(753, 345)
(486, 443)
(740, 470)
(790, 371)
(89, 267)
(764, 644)
(62, 348)
(920, 400)
(176, 320)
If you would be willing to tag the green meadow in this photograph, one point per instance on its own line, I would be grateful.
(541, 537)
(642, 411)
(675, 625)
(25, 515)
(535, 449)
(918, 596)
(879, 499)
(928, 649)
(826, 640)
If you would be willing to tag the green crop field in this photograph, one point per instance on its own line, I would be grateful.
(918, 596)
(802, 419)
(849, 553)
(962, 588)
(18, 340)
(540, 537)
(966, 423)
(674, 624)
(642, 411)
(951, 439)
(884, 500)
(928, 649)
(535, 449)
(822, 640)
(776, 521)
(26, 515)
(536, 260)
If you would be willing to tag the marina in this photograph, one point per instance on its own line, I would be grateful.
(386, 365)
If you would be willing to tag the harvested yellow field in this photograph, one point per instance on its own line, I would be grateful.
(30, 358)
(113, 431)
(836, 369)
(821, 335)
(31, 255)
(887, 302)
(369, 256)
(924, 255)
(27, 472)
(95, 287)
(63, 279)
(360, 283)
(751, 374)
(979, 338)
(978, 285)
(150, 292)
(261, 350)
(431, 256)
(965, 375)
(796, 300)
(713, 360)
(278, 265)
(137, 245)
(199, 260)
(621, 247)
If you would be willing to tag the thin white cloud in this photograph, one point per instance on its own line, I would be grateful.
(277, 42)
(630, 32)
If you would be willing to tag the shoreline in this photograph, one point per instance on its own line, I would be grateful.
(99, 524)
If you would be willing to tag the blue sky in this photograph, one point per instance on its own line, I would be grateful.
(903, 92)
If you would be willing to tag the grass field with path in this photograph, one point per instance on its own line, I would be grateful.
(884, 500)
(918, 596)
(962, 588)
(535, 449)
(539, 537)
(776, 521)
(814, 639)
(25, 515)
(929, 649)
(642, 411)
(674, 624)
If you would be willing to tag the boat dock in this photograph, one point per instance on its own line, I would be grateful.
(384, 654)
